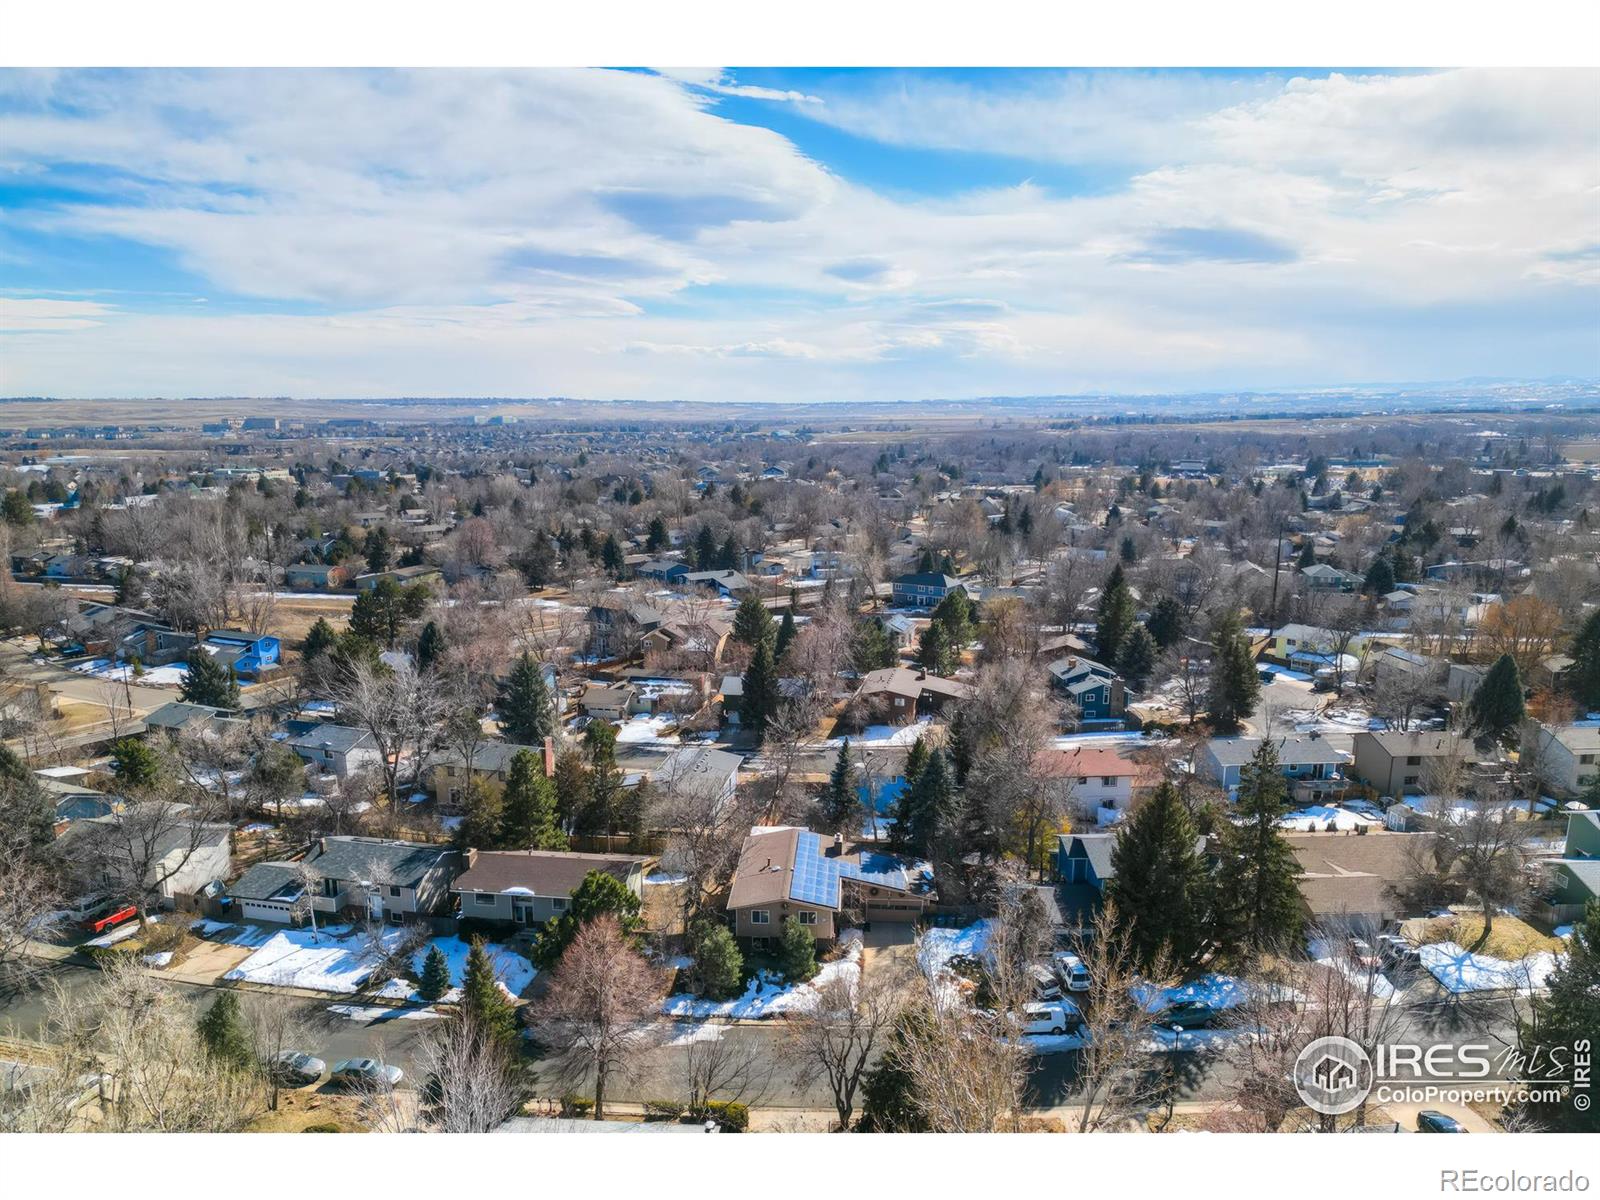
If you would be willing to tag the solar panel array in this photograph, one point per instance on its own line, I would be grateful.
(816, 877)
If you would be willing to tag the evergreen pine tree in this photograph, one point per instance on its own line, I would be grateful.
(1566, 1014)
(430, 645)
(27, 811)
(1308, 554)
(786, 631)
(483, 807)
(528, 816)
(483, 1001)
(320, 639)
(1258, 893)
(889, 1096)
(759, 704)
(1234, 686)
(705, 548)
(379, 549)
(935, 654)
(1380, 577)
(134, 763)
(1159, 885)
(1497, 709)
(925, 564)
(602, 810)
(956, 614)
(797, 952)
(873, 651)
(207, 681)
(572, 789)
(527, 713)
(600, 892)
(1138, 656)
(752, 621)
(930, 802)
(223, 1034)
(839, 800)
(1584, 675)
(1166, 622)
(1114, 619)
(435, 975)
(611, 556)
(718, 964)
(658, 539)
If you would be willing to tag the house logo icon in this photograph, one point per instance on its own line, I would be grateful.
(1333, 1075)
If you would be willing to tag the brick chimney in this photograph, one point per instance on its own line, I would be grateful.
(549, 758)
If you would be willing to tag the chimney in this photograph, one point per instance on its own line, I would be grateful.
(322, 845)
(549, 758)
(768, 867)
(835, 850)
(472, 857)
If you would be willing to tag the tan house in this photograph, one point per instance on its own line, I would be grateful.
(607, 703)
(529, 887)
(491, 763)
(793, 872)
(898, 695)
(1397, 763)
(1354, 877)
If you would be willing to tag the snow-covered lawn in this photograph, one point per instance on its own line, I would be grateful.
(104, 668)
(337, 959)
(643, 730)
(368, 1013)
(1460, 971)
(939, 946)
(885, 735)
(1375, 981)
(767, 995)
(1316, 817)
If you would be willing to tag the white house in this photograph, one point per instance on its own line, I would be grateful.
(1569, 756)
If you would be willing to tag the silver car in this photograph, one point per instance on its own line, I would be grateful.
(296, 1068)
(364, 1072)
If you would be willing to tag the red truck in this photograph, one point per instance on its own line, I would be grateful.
(110, 919)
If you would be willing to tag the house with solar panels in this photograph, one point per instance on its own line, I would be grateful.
(793, 872)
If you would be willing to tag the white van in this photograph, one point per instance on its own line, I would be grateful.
(1056, 1016)
(1071, 971)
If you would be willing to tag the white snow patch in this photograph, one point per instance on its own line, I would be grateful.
(367, 1013)
(1460, 971)
(767, 995)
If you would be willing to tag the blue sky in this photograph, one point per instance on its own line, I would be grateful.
(792, 235)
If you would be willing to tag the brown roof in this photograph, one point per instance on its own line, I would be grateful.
(766, 863)
(1347, 872)
(902, 681)
(542, 872)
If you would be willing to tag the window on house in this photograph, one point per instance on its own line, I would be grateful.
(483, 897)
(760, 916)
(808, 918)
(1587, 758)
(1413, 760)
(1108, 781)
(559, 904)
(1083, 781)
(759, 943)
(1409, 781)
(394, 890)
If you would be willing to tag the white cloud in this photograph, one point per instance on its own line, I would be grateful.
(609, 233)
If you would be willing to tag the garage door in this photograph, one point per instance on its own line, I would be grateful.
(252, 910)
(892, 912)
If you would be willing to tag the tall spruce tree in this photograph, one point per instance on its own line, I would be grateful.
(483, 1001)
(797, 952)
(320, 639)
(1114, 618)
(1138, 657)
(430, 646)
(1234, 686)
(528, 815)
(1565, 1015)
(786, 632)
(935, 653)
(223, 1033)
(1584, 675)
(932, 805)
(761, 698)
(1380, 577)
(435, 975)
(839, 800)
(718, 964)
(1160, 887)
(207, 681)
(600, 892)
(752, 621)
(1498, 709)
(1258, 893)
(527, 712)
(1166, 622)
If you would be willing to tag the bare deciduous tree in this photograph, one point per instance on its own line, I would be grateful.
(836, 1037)
(603, 997)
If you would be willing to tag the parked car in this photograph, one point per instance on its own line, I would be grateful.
(361, 1072)
(1056, 1016)
(1190, 1014)
(296, 1068)
(109, 920)
(1432, 1121)
(1071, 971)
(1045, 984)
(1362, 952)
(1396, 951)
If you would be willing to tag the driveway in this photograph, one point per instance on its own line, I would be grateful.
(1406, 1114)
(208, 962)
(890, 943)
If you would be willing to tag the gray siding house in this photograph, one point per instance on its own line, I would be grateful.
(396, 881)
(529, 887)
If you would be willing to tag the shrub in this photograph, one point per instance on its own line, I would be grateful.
(730, 1114)
(669, 1110)
(323, 1127)
(576, 1106)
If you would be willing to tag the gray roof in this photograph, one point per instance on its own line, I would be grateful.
(331, 736)
(403, 863)
(542, 872)
(696, 769)
(492, 756)
(1236, 751)
(1096, 848)
(268, 881)
(177, 713)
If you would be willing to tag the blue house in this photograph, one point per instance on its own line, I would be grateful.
(923, 589)
(1098, 691)
(1085, 858)
(247, 653)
